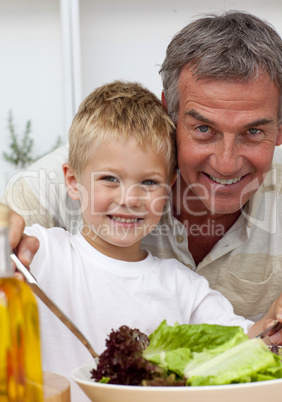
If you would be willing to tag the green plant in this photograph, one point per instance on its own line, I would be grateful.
(22, 148)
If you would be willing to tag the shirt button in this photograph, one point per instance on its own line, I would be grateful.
(180, 238)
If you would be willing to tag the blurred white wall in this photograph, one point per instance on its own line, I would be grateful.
(127, 39)
(119, 39)
(30, 73)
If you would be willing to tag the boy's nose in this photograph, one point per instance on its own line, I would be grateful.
(131, 197)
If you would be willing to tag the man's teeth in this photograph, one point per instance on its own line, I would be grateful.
(124, 220)
(229, 181)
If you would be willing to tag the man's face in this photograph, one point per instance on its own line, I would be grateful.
(226, 134)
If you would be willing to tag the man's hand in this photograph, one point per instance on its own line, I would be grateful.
(24, 246)
(277, 337)
(274, 314)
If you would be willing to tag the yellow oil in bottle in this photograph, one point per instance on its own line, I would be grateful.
(20, 355)
(20, 358)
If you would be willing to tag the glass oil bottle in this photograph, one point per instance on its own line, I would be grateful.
(20, 355)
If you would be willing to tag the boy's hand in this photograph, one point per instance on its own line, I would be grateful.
(24, 246)
(26, 249)
(16, 228)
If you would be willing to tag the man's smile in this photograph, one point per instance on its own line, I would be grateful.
(225, 181)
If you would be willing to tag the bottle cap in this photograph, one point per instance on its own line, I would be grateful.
(4, 215)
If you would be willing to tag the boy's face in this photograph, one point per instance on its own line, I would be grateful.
(122, 192)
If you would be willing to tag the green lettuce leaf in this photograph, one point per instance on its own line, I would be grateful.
(211, 354)
(173, 347)
(249, 361)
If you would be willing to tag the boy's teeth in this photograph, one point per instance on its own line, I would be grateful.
(229, 181)
(124, 220)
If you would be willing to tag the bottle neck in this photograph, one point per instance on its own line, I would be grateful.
(6, 269)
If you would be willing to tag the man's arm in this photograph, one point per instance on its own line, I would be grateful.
(33, 195)
(38, 193)
(20, 198)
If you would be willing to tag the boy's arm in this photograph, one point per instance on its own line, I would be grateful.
(274, 313)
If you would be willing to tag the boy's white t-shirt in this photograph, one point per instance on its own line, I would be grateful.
(99, 294)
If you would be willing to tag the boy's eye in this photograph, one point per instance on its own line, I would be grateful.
(111, 179)
(149, 183)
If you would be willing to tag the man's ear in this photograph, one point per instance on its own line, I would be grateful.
(279, 135)
(71, 182)
(164, 102)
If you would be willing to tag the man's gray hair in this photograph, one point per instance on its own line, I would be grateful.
(233, 46)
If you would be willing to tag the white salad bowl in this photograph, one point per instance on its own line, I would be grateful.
(97, 392)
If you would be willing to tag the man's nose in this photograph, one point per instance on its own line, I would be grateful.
(226, 158)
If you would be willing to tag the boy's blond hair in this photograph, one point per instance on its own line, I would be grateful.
(121, 110)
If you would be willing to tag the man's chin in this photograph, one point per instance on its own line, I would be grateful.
(224, 208)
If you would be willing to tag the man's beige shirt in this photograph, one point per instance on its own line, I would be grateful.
(246, 264)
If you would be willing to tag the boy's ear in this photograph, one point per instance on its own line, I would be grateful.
(71, 182)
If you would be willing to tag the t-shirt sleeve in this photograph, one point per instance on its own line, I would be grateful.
(211, 307)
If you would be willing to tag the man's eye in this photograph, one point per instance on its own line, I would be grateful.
(254, 131)
(203, 129)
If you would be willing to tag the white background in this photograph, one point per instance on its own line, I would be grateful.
(116, 39)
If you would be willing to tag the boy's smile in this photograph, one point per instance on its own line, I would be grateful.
(123, 191)
(124, 220)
